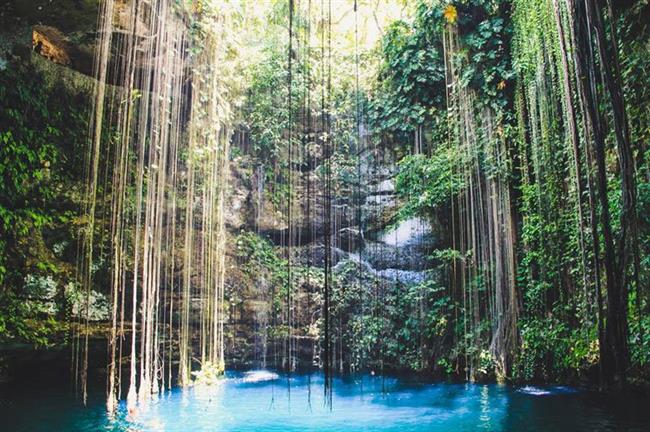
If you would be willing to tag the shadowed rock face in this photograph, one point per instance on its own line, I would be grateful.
(69, 16)
(383, 256)
(61, 31)
(64, 31)
(396, 255)
(254, 203)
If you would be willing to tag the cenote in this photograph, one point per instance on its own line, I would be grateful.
(201, 200)
(266, 401)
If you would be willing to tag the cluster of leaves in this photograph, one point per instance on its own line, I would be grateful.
(261, 261)
(640, 300)
(411, 83)
(311, 109)
(258, 253)
(411, 78)
(427, 184)
(551, 348)
(560, 337)
(267, 109)
(485, 32)
(402, 328)
(558, 333)
(42, 134)
(210, 374)
(635, 64)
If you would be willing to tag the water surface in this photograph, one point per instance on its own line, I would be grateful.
(265, 401)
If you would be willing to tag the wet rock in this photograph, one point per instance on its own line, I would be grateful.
(238, 196)
(313, 254)
(412, 231)
(384, 256)
(385, 187)
(350, 238)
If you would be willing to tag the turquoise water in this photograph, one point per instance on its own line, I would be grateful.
(264, 401)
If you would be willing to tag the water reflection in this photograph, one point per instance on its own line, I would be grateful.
(359, 403)
(267, 401)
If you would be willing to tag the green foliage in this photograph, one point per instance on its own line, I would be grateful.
(42, 136)
(261, 261)
(551, 349)
(486, 34)
(411, 89)
(501, 48)
(635, 63)
(79, 302)
(18, 321)
(640, 300)
(428, 183)
(417, 327)
(266, 109)
(411, 76)
(257, 252)
(402, 329)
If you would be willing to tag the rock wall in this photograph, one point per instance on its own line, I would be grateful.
(394, 251)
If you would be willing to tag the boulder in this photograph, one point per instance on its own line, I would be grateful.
(51, 44)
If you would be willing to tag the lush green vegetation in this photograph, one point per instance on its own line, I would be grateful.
(505, 48)
(521, 137)
(43, 132)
